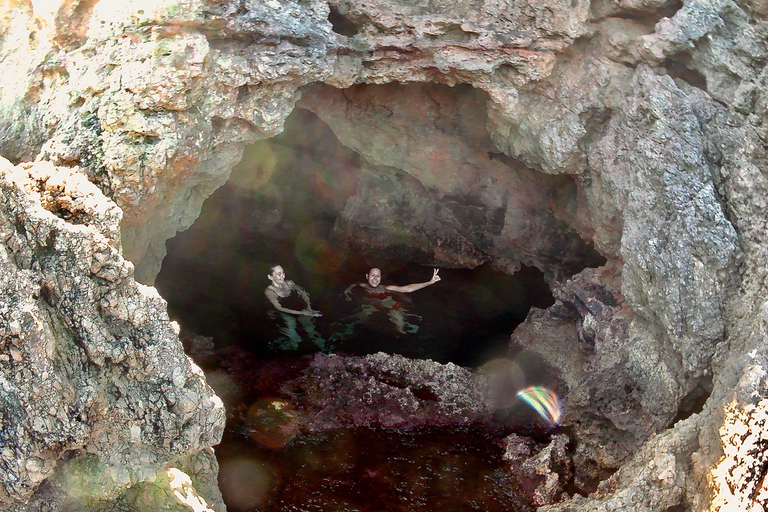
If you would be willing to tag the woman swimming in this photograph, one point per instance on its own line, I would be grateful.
(282, 293)
(380, 298)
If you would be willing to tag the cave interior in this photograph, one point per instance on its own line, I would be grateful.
(283, 204)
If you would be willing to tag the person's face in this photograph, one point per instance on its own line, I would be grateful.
(374, 277)
(277, 276)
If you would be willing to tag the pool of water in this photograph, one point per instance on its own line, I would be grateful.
(448, 469)
(268, 464)
(214, 278)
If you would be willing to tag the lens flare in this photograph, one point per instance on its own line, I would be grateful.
(272, 422)
(245, 483)
(315, 252)
(503, 377)
(544, 401)
(256, 167)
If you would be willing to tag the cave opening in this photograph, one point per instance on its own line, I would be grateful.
(280, 206)
(327, 212)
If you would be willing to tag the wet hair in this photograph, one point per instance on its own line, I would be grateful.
(272, 269)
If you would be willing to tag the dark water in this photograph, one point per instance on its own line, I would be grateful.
(279, 207)
(465, 318)
(456, 469)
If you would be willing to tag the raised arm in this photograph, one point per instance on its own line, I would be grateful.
(415, 286)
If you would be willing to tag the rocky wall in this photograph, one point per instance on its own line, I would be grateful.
(97, 394)
(638, 127)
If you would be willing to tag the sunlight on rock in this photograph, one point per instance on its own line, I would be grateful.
(739, 479)
(172, 490)
(185, 492)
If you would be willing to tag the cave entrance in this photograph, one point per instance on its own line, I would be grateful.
(327, 214)
(280, 206)
(417, 179)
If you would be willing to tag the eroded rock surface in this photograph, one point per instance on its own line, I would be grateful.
(97, 394)
(385, 390)
(458, 200)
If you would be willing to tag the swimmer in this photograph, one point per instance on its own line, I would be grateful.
(373, 284)
(379, 298)
(281, 289)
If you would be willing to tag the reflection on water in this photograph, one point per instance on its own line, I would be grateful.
(388, 304)
(451, 469)
(290, 337)
(466, 318)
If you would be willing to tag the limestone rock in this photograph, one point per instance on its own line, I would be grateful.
(549, 465)
(97, 393)
(458, 202)
(156, 102)
(650, 114)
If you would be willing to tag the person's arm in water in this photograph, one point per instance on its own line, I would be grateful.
(415, 286)
(348, 291)
(305, 296)
(272, 297)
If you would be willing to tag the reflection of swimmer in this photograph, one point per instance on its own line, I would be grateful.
(380, 298)
(282, 292)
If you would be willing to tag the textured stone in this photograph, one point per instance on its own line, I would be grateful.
(95, 366)
(385, 390)
(457, 201)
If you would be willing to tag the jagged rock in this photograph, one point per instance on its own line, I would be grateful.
(386, 390)
(97, 394)
(547, 466)
(194, 85)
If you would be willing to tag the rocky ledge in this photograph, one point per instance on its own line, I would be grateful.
(99, 402)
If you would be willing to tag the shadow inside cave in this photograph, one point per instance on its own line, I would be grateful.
(279, 207)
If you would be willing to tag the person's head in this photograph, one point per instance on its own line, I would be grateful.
(276, 275)
(373, 277)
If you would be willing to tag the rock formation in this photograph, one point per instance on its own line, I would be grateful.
(97, 393)
(386, 390)
(501, 131)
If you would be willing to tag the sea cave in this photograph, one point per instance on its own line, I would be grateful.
(586, 178)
